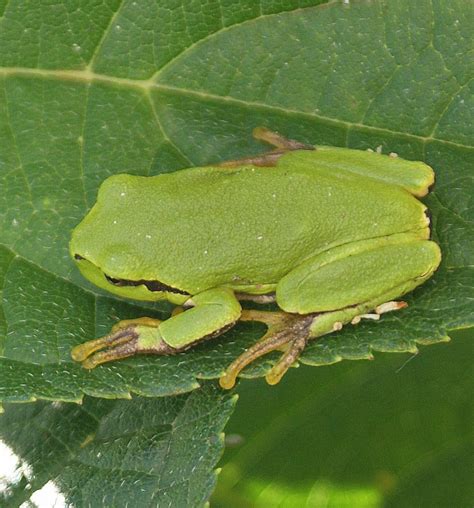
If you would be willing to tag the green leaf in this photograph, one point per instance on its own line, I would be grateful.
(391, 433)
(140, 452)
(118, 91)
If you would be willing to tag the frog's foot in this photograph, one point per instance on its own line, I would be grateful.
(285, 331)
(281, 144)
(127, 338)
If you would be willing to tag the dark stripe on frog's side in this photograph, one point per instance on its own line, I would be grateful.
(151, 285)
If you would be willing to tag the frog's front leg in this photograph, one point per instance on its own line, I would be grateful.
(212, 312)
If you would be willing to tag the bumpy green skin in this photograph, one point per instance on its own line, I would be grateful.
(332, 231)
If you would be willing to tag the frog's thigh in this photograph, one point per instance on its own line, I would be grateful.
(414, 176)
(357, 274)
(214, 311)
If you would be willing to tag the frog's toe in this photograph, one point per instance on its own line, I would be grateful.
(286, 361)
(124, 341)
(292, 338)
(115, 353)
(119, 336)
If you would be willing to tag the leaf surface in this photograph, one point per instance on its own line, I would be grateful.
(118, 91)
(140, 452)
(391, 433)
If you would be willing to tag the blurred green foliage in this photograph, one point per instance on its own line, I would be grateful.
(396, 432)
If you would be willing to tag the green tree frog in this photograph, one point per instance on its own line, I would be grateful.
(331, 235)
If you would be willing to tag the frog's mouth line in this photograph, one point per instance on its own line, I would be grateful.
(151, 285)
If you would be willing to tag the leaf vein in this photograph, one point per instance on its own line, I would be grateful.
(15, 144)
(99, 45)
(224, 28)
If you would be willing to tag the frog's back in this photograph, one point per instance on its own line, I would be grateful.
(206, 227)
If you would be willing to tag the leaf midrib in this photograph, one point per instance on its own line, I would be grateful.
(146, 86)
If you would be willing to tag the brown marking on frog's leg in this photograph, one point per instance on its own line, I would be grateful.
(265, 160)
(279, 141)
(282, 145)
(284, 330)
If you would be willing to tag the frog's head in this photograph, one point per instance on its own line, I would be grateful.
(103, 248)
(116, 275)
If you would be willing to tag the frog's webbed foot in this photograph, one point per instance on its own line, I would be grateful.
(282, 145)
(127, 338)
(287, 332)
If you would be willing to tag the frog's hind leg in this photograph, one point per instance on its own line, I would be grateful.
(281, 144)
(279, 141)
(285, 331)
